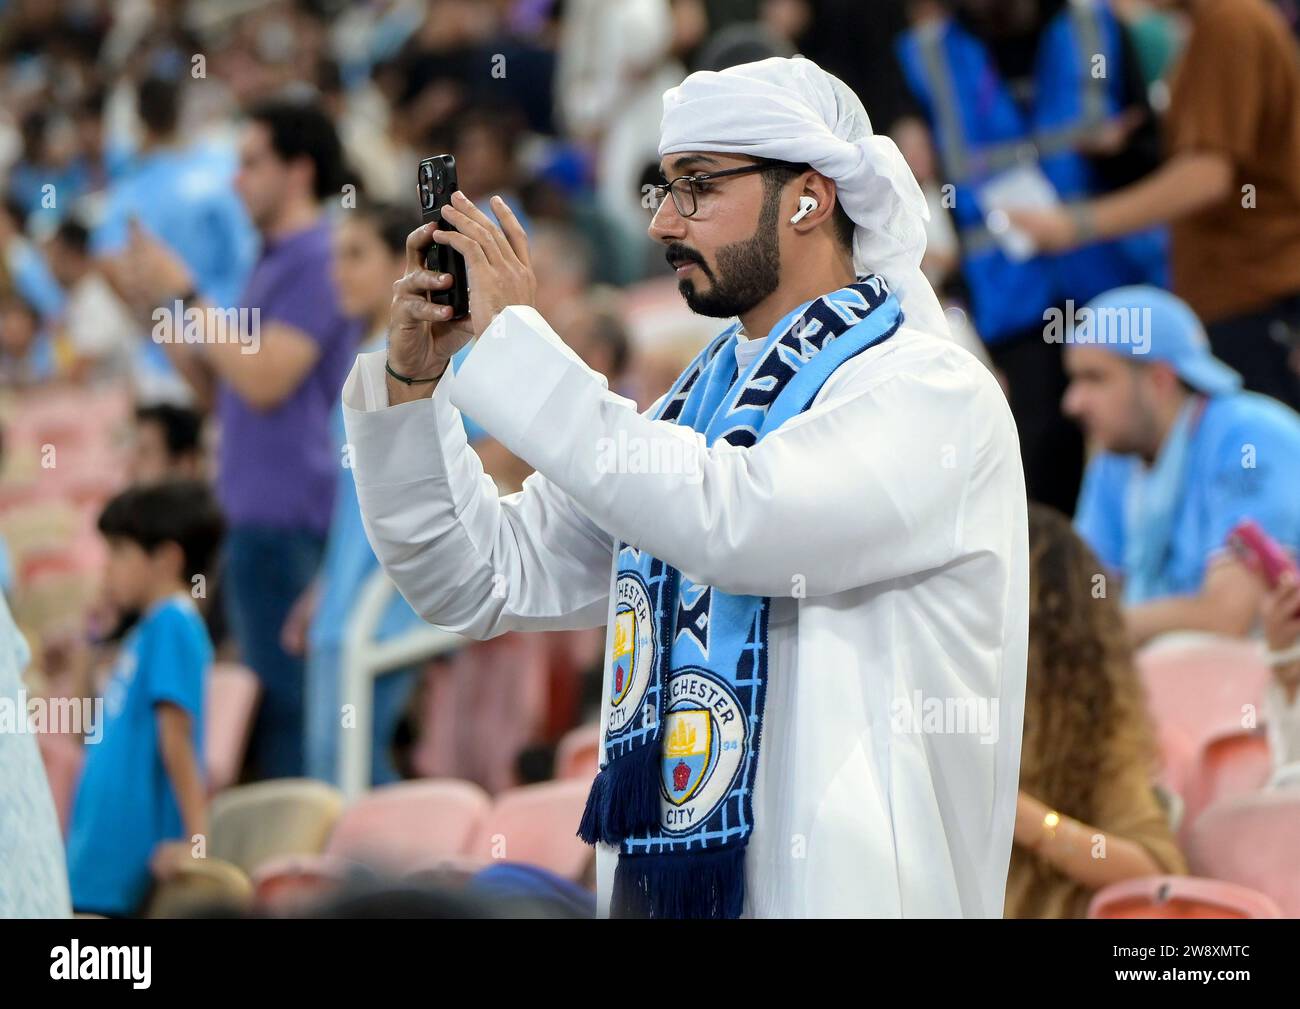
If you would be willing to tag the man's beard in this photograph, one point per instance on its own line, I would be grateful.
(747, 272)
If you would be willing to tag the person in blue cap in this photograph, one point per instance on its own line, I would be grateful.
(1181, 455)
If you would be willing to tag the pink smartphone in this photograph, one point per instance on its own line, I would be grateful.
(1261, 553)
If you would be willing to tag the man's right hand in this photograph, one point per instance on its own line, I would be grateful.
(421, 336)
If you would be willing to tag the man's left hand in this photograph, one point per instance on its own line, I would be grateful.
(497, 257)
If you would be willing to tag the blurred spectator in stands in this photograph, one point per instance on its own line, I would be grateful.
(1183, 456)
(528, 48)
(50, 175)
(141, 802)
(1281, 710)
(33, 873)
(516, 891)
(26, 349)
(597, 335)
(751, 41)
(277, 467)
(1155, 35)
(1230, 190)
(369, 255)
(841, 38)
(562, 262)
(273, 52)
(372, 131)
(531, 891)
(167, 444)
(180, 194)
(994, 80)
(104, 159)
(615, 62)
(6, 558)
(1088, 815)
(484, 138)
(23, 267)
(446, 64)
(95, 329)
(364, 35)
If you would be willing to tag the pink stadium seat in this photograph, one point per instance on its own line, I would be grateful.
(250, 825)
(1180, 897)
(1233, 764)
(1176, 757)
(63, 757)
(403, 827)
(1252, 840)
(231, 702)
(1198, 690)
(538, 824)
(578, 753)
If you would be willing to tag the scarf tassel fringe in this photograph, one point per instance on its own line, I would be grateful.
(707, 883)
(624, 798)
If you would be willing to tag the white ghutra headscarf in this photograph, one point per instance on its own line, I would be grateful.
(793, 110)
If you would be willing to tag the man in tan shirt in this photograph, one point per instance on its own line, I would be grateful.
(1230, 190)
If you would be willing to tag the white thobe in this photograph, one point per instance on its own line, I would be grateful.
(887, 523)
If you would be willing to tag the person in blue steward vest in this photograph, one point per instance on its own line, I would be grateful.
(1042, 97)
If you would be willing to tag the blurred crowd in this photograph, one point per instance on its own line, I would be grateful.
(205, 205)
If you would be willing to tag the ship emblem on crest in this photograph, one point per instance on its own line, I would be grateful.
(631, 651)
(624, 653)
(688, 753)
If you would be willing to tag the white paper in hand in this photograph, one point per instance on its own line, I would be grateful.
(1024, 187)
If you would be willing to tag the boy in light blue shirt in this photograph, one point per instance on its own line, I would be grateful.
(141, 801)
(1184, 455)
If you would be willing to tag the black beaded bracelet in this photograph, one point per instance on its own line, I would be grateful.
(414, 381)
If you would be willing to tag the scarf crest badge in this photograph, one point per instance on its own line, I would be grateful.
(688, 662)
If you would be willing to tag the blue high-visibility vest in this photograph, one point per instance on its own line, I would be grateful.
(980, 130)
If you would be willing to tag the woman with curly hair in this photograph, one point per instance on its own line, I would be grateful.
(1087, 814)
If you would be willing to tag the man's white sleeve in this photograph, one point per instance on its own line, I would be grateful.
(863, 487)
(462, 556)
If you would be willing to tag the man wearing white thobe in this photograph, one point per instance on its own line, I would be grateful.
(887, 522)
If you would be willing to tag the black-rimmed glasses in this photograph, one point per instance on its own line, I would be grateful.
(685, 187)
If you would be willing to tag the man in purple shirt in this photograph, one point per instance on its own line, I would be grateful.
(274, 374)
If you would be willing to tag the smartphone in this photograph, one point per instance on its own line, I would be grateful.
(1260, 552)
(435, 183)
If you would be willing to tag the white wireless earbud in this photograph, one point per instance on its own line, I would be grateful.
(806, 206)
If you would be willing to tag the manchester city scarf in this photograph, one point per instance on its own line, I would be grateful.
(689, 662)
